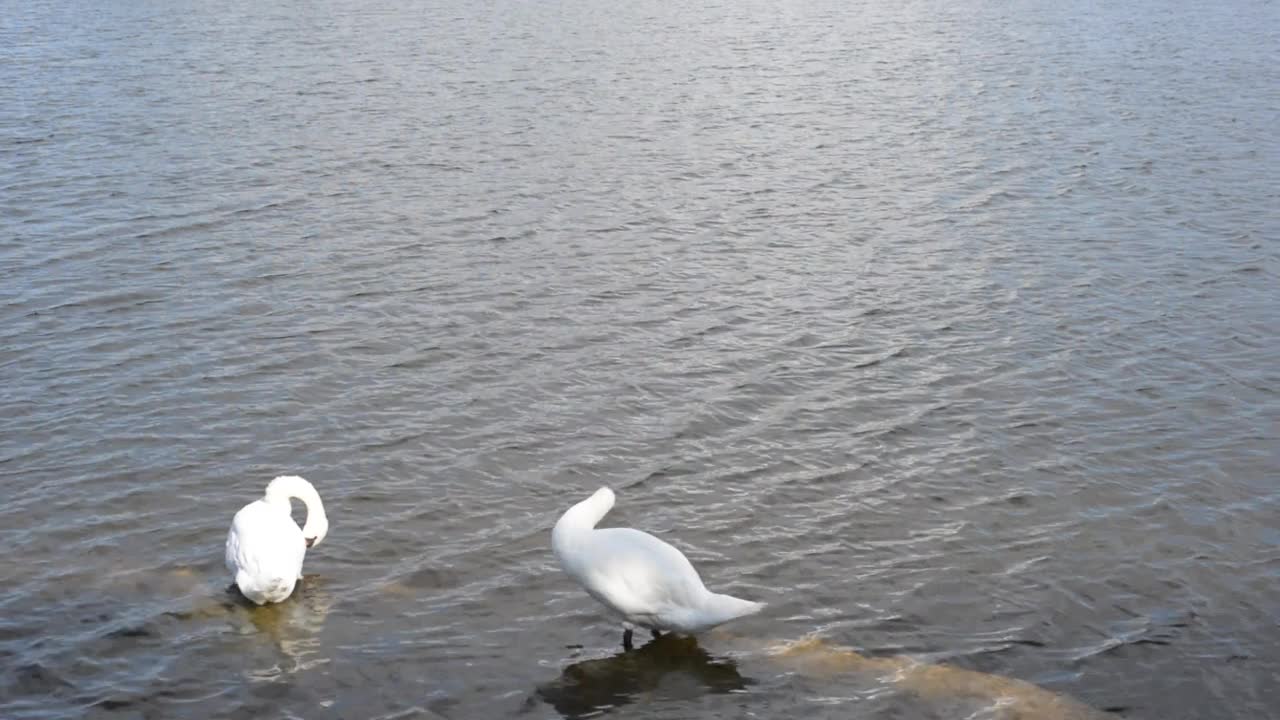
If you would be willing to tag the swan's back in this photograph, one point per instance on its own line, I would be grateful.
(636, 570)
(649, 582)
(264, 552)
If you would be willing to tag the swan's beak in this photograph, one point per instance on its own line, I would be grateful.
(311, 541)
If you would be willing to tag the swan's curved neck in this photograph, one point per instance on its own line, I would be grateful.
(584, 515)
(285, 487)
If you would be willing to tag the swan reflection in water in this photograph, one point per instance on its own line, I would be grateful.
(292, 627)
(675, 667)
(669, 667)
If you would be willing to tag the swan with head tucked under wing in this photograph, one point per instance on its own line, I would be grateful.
(265, 547)
(640, 578)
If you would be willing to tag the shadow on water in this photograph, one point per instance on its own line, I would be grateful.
(676, 668)
(667, 668)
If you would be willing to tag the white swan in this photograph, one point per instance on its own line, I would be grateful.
(638, 577)
(265, 547)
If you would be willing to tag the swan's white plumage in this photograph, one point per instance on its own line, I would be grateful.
(638, 577)
(265, 547)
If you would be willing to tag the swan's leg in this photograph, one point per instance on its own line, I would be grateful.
(626, 639)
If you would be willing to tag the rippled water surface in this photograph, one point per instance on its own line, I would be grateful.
(949, 329)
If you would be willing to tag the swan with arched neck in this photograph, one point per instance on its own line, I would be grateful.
(639, 578)
(265, 547)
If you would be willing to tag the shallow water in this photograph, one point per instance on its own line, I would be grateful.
(948, 329)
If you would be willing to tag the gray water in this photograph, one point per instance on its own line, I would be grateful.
(948, 329)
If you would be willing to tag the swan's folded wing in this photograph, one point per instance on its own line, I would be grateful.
(232, 550)
(265, 544)
(639, 574)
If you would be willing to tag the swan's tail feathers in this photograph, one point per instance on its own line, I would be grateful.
(723, 608)
(248, 587)
(263, 592)
(747, 607)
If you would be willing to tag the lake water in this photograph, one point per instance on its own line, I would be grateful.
(948, 329)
